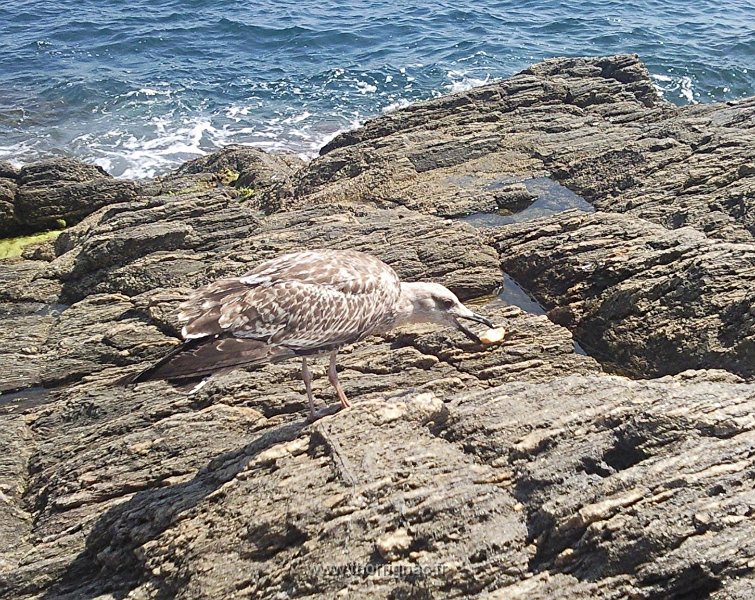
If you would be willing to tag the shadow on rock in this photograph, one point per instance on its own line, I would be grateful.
(111, 561)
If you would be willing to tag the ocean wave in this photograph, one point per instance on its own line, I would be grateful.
(461, 81)
(680, 86)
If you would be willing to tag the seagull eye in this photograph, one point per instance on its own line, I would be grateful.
(446, 303)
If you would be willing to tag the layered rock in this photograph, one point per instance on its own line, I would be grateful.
(649, 300)
(8, 189)
(258, 175)
(595, 124)
(55, 193)
(569, 487)
(125, 269)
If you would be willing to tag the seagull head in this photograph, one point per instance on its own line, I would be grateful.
(433, 303)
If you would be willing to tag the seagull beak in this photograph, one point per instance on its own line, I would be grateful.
(472, 317)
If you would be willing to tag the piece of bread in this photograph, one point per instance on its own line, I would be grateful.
(493, 336)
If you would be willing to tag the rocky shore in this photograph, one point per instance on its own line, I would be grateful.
(605, 450)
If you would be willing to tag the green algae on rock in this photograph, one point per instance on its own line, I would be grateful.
(10, 247)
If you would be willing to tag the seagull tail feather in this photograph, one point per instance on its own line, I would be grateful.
(202, 357)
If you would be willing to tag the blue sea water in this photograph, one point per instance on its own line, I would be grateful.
(140, 86)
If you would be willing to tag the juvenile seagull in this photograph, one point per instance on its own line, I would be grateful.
(300, 304)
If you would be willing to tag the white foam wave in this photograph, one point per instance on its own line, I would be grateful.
(685, 90)
(146, 92)
(155, 150)
(366, 88)
(298, 118)
(473, 56)
(681, 85)
(461, 81)
(16, 154)
(297, 133)
(236, 112)
(401, 103)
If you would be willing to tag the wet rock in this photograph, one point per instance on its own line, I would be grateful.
(690, 169)
(650, 300)
(61, 192)
(258, 175)
(513, 197)
(8, 222)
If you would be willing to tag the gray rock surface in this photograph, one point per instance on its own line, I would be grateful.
(649, 300)
(59, 171)
(54, 193)
(581, 486)
(7, 209)
(188, 240)
(125, 268)
(515, 471)
(8, 170)
(260, 176)
(23, 345)
(596, 124)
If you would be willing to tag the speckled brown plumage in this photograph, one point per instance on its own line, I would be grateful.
(312, 300)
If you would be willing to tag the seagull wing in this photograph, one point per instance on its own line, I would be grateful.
(304, 301)
(297, 303)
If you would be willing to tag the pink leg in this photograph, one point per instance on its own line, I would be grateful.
(306, 375)
(333, 378)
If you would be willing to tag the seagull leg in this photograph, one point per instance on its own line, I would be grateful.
(306, 375)
(333, 378)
